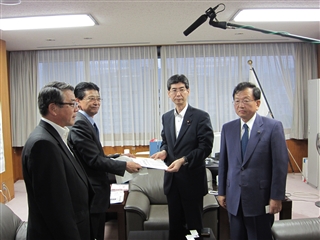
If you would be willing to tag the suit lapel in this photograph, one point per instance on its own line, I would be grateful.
(64, 148)
(235, 142)
(255, 136)
(172, 128)
(90, 128)
(187, 120)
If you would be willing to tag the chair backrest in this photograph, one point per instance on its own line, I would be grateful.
(11, 226)
(151, 185)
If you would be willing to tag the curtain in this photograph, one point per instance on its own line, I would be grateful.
(23, 95)
(133, 87)
(128, 82)
(214, 70)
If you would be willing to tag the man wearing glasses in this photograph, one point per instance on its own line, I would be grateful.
(187, 139)
(253, 167)
(59, 192)
(84, 140)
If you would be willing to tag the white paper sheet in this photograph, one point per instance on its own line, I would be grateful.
(122, 187)
(144, 162)
(116, 196)
(151, 163)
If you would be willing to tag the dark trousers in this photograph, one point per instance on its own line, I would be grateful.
(250, 228)
(98, 221)
(184, 213)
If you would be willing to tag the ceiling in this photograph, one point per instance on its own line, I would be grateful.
(136, 23)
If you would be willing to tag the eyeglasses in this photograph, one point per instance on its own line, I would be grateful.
(244, 102)
(73, 104)
(93, 99)
(174, 91)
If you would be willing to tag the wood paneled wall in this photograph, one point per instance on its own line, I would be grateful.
(298, 148)
(7, 176)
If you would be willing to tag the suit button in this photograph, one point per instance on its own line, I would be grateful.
(242, 169)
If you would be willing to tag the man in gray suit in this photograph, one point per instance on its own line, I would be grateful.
(59, 192)
(84, 140)
(187, 139)
(253, 167)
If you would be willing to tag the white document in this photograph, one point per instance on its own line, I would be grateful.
(122, 187)
(267, 209)
(116, 196)
(151, 163)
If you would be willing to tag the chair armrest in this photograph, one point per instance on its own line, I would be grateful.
(209, 202)
(296, 229)
(138, 202)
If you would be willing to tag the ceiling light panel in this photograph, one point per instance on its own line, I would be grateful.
(47, 22)
(277, 15)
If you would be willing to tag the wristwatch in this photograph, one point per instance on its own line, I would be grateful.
(185, 160)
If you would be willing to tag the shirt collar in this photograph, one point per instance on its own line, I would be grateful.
(62, 131)
(250, 122)
(87, 116)
(182, 113)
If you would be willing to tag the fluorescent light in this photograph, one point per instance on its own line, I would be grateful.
(43, 22)
(10, 2)
(278, 15)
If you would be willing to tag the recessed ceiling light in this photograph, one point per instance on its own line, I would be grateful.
(43, 22)
(277, 15)
(10, 2)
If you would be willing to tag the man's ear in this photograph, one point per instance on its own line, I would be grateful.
(52, 108)
(79, 103)
(258, 103)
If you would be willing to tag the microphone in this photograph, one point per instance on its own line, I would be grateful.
(196, 24)
(209, 13)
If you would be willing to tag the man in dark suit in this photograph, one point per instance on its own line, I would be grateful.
(187, 139)
(252, 180)
(57, 186)
(84, 140)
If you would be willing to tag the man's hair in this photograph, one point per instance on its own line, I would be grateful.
(178, 79)
(52, 93)
(243, 85)
(79, 90)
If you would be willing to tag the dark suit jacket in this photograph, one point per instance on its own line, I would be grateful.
(195, 142)
(262, 173)
(85, 143)
(57, 188)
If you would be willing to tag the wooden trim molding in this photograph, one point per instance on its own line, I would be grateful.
(7, 176)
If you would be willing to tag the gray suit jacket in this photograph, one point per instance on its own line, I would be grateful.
(261, 175)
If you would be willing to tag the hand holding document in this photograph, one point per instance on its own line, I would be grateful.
(151, 163)
(146, 162)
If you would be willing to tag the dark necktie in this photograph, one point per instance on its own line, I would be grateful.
(244, 140)
(97, 130)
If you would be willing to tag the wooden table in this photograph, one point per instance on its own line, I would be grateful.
(223, 219)
(118, 208)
